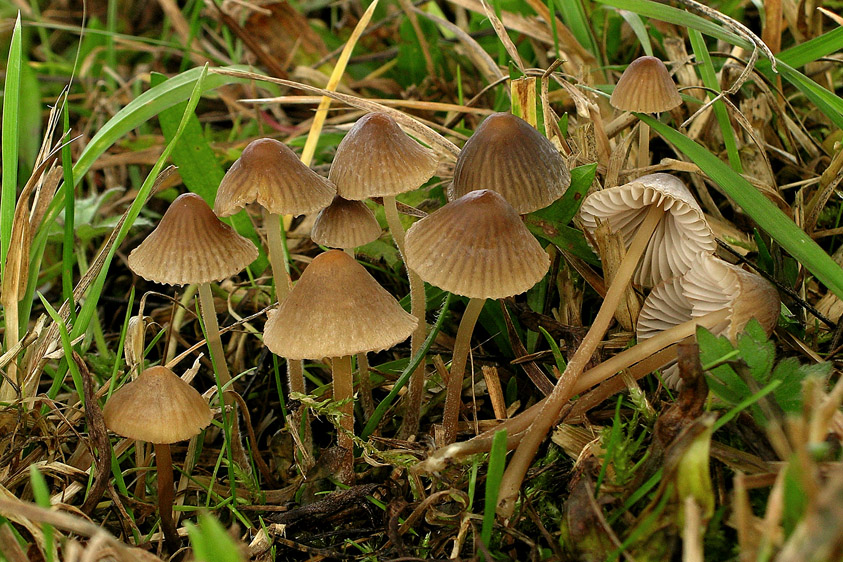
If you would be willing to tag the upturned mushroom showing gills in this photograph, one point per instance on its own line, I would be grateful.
(191, 245)
(337, 310)
(377, 159)
(159, 408)
(509, 156)
(478, 247)
(645, 87)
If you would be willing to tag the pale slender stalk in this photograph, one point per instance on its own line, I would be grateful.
(462, 345)
(526, 451)
(212, 328)
(418, 305)
(344, 390)
(164, 463)
(643, 144)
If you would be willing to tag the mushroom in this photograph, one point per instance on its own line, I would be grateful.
(509, 156)
(478, 247)
(160, 408)
(338, 310)
(645, 87)
(377, 159)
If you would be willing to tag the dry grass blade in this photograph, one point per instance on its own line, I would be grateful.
(502, 34)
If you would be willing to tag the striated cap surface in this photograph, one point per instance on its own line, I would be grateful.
(157, 407)
(335, 309)
(507, 155)
(677, 239)
(476, 246)
(646, 87)
(270, 174)
(345, 224)
(377, 159)
(191, 245)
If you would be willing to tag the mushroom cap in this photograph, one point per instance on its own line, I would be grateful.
(336, 309)
(345, 224)
(157, 407)
(270, 174)
(645, 86)
(677, 239)
(476, 246)
(191, 245)
(507, 155)
(377, 159)
(665, 307)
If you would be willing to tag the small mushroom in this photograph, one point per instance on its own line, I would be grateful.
(509, 156)
(345, 224)
(160, 408)
(478, 247)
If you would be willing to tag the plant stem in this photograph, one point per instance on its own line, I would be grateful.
(344, 390)
(462, 345)
(275, 246)
(209, 317)
(643, 144)
(164, 463)
(418, 305)
(526, 451)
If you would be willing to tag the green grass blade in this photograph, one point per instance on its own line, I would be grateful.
(809, 51)
(640, 30)
(494, 475)
(759, 208)
(11, 110)
(41, 492)
(827, 102)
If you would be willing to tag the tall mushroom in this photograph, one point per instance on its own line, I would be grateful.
(377, 159)
(477, 247)
(337, 310)
(160, 408)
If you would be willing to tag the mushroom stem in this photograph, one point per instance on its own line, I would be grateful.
(275, 245)
(526, 451)
(453, 394)
(164, 464)
(209, 317)
(643, 144)
(418, 305)
(344, 390)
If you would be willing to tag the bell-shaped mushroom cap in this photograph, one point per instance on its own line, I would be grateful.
(476, 247)
(712, 284)
(345, 224)
(157, 407)
(507, 155)
(665, 307)
(191, 245)
(645, 86)
(677, 239)
(377, 159)
(335, 309)
(270, 174)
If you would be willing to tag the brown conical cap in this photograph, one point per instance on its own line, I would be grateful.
(191, 245)
(377, 159)
(345, 224)
(335, 309)
(270, 174)
(157, 407)
(677, 239)
(507, 155)
(476, 246)
(645, 86)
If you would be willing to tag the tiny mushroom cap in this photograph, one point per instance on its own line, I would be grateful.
(191, 245)
(270, 174)
(345, 224)
(476, 246)
(677, 239)
(646, 87)
(157, 407)
(336, 309)
(507, 155)
(377, 159)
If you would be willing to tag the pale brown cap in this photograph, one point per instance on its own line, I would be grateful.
(157, 407)
(377, 159)
(335, 309)
(476, 246)
(677, 239)
(646, 87)
(345, 224)
(507, 155)
(270, 174)
(191, 245)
